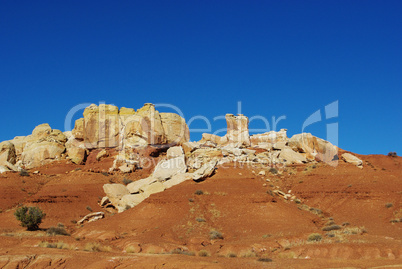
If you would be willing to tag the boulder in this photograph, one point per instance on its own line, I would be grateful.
(177, 179)
(349, 158)
(7, 153)
(189, 147)
(3, 169)
(135, 187)
(168, 168)
(91, 217)
(153, 188)
(174, 152)
(313, 147)
(78, 131)
(115, 192)
(289, 156)
(77, 155)
(214, 139)
(126, 168)
(271, 137)
(129, 201)
(40, 153)
(102, 154)
(175, 128)
(205, 171)
(237, 131)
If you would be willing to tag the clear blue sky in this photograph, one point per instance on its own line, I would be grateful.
(279, 58)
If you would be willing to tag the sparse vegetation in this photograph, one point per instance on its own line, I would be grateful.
(24, 173)
(215, 235)
(392, 154)
(127, 181)
(52, 231)
(59, 245)
(204, 253)
(200, 219)
(89, 208)
(273, 170)
(314, 237)
(30, 217)
(105, 174)
(96, 247)
(182, 252)
(388, 205)
(264, 260)
(331, 228)
(198, 192)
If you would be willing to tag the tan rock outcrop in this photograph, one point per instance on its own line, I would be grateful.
(313, 147)
(115, 192)
(101, 126)
(77, 155)
(269, 137)
(152, 124)
(7, 153)
(175, 128)
(237, 131)
(287, 155)
(349, 158)
(43, 146)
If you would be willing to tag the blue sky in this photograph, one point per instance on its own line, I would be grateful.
(278, 58)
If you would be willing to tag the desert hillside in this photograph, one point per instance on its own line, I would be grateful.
(127, 189)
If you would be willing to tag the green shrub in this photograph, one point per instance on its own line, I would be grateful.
(273, 170)
(30, 217)
(388, 205)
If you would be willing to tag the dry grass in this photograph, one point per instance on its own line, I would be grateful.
(96, 247)
(204, 253)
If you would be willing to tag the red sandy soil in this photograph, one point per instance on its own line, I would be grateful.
(172, 229)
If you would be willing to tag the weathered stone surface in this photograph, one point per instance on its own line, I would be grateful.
(126, 168)
(177, 179)
(102, 154)
(135, 187)
(205, 171)
(78, 131)
(7, 153)
(174, 152)
(77, 155)
(215, 139)
(189, 147)
(349, 158)
(4, 169)
(92, 217)
(175, 128)
(40, 153)
(101, 126)
(115, 192)
(314, 147)
(129, 201)
(237, 130)
(152, 124)
(153, 188)
(289, 156)
(269, 137)
(19, 144)
(168, 168)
